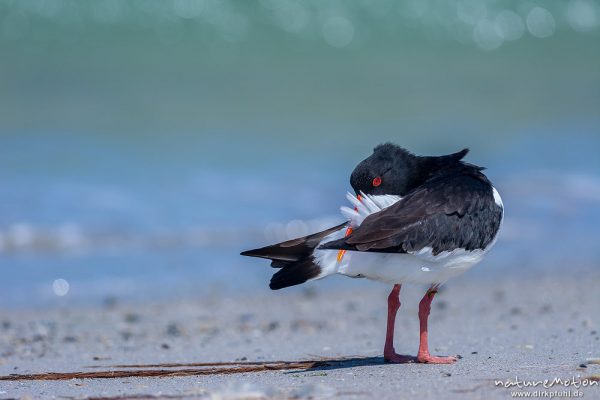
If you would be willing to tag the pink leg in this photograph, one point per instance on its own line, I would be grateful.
(424, 356)
(389, 354)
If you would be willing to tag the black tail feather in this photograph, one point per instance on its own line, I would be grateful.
(294, 258)
(295, 274)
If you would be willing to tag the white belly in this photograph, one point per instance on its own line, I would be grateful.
(411, 268)
(420, 267)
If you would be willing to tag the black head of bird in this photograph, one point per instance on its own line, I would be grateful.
(394, 170)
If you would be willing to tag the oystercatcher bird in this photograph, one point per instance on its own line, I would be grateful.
(414, 220)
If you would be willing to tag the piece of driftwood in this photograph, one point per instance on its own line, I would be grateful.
(132, 397)
(199, 364)
(209, 369)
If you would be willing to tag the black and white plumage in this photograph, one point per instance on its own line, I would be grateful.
(415, 219)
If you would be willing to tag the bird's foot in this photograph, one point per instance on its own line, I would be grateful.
(429, 359)
(392, 357)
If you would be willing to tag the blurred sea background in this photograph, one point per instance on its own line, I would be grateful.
(144, 144)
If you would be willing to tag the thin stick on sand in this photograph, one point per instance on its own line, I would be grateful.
(219, 368)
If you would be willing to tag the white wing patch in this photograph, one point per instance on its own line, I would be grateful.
(497, 198)
(366, 206)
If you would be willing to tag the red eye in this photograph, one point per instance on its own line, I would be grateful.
(377, 181)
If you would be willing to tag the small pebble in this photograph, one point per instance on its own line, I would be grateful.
(546, 308)
(515, 311)
(173, 330)
(131, 318)
(165, 346)
(586, 323)
(70, 339)
(272, 326)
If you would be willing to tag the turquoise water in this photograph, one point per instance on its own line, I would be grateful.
(143, 145)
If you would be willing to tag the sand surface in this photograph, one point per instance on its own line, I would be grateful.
(526, 328)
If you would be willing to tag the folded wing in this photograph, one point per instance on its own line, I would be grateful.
(443, 214)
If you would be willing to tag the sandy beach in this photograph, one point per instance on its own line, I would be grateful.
(306, 344)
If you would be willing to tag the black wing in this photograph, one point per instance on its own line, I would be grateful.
(445, 213)
(292, 250)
